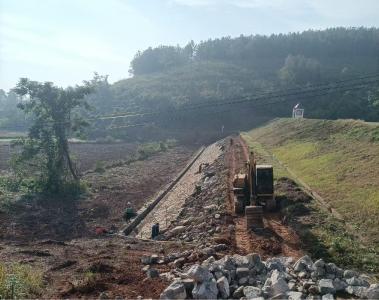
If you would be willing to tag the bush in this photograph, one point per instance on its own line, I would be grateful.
(129, 213)
(19, 281)
(99, 167)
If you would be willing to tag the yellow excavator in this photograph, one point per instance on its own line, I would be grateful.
(254, 192)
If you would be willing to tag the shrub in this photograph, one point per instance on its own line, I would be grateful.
(19, 281)
(99, 167)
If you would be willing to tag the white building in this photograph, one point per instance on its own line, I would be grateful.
(297, 112)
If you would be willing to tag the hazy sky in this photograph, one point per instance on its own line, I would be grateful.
(65, 41)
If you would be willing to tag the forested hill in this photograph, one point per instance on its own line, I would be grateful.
(171, 78)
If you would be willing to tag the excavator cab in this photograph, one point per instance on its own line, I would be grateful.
(263, 186)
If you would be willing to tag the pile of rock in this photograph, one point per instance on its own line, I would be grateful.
(202, 216)
(180, 259)
(248, 277)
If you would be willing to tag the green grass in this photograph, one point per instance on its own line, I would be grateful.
(337, 159)
(19, 281)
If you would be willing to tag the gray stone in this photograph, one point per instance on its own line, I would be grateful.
(179, 262)
(208, 262)
(252, 292)
(307, 284)
(329, 276)
(319, 272)
(292, 286)
(275, 275)
(319, 263)
(373, 291)
(260, 267)
(274, 264)
(359, 291)
(356, 281)
(251, 281)
(188, 285)
(278, 284)
(205, 290)
(313, 289)
(146, 259)
(154, 258)
(302, 275)
(348, 274)
(295, 295)
(304, 263)
(325, 286)
(152, 273)
(339, 284)
(178, 230)
(175, 290)
(223, 287)
(243, 281)
(339, 273)
(199, 273)
(327, 297)
(242, 272)
(313, 297)
(220, 247)
(253, 259)
(238, 293)
(227, 263)
(241, 261)
(330, 268)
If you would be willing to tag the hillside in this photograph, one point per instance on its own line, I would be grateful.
(339, 160)
(169, 80)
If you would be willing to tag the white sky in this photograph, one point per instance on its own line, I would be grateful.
(65, 41)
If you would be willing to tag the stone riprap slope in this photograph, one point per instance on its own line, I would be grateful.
(248, 277)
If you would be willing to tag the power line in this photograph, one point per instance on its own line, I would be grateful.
(266, 103)
(239, 100)
(338, 86)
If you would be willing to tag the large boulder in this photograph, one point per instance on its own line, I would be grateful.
(205, 290)
(357, 281)
(178, 230)
(303, 264)
(199, 273)
(252, 292)
(325, 286)
(241, 261)
(327, 297)
(242, 272)
(339, 284)
(359, 291)
(373, 291)
(295, 295)
(278, 284)
(223, 287)
(175, 290)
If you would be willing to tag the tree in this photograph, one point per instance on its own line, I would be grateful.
(45, 151)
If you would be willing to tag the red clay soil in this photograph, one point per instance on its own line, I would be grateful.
(276, 238)
(85, 268)
(110, 192)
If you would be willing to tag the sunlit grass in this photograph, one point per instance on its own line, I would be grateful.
(337, 159)
(19, 281)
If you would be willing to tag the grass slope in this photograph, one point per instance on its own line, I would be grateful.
(337, 159)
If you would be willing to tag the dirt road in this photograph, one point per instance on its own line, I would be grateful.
(277, 238)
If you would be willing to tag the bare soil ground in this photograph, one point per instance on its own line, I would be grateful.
(58, 237)
(104, 206)
(84, 268)
(85, 154)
